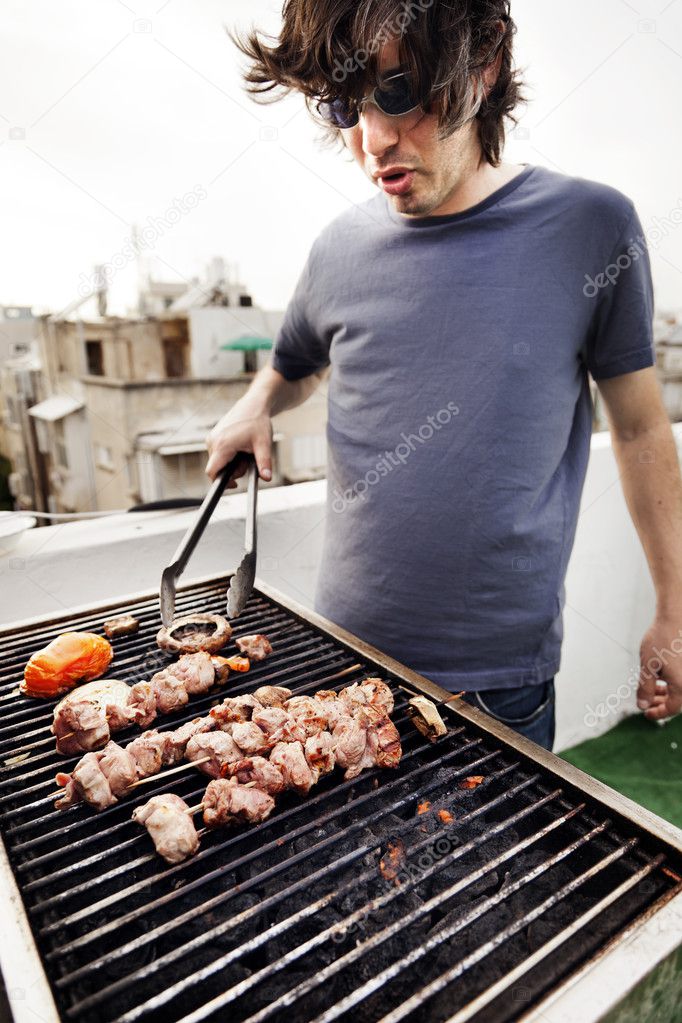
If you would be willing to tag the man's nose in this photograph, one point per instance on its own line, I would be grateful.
(379, 132)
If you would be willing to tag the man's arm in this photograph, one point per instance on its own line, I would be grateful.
(650, 473)
(248, 427)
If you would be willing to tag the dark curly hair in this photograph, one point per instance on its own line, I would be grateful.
(329, 49)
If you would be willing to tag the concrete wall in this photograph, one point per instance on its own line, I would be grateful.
(610, 599)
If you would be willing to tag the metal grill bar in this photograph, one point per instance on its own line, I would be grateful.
(505, 982)
(377, 981)
(415, 1002)
(272, 908)
(308, 911)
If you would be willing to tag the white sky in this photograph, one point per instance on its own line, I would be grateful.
(114, 123)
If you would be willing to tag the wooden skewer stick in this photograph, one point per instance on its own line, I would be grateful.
(157, 777)
(165, 774)
(340, 674)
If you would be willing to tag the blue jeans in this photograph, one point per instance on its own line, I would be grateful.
(529, 710)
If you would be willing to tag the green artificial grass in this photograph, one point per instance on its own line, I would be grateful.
(640, 759)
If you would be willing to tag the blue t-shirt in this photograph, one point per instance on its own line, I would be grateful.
(460, 413)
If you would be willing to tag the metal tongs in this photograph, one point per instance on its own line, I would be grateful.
(241, 583)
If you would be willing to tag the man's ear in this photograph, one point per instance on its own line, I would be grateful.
(492, 72)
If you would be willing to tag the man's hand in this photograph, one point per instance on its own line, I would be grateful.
(248, 425)
(660, 679)
(233, 434)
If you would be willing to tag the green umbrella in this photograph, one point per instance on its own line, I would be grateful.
(248, 344)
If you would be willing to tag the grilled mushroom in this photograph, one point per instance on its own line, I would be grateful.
(192, 633)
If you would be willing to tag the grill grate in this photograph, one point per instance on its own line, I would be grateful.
(300, 917)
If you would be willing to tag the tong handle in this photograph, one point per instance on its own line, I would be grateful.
(251, 504)
(193, 535)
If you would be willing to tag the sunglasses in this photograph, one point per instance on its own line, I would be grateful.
(394, 97)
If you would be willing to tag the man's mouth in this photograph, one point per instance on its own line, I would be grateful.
(396, 180)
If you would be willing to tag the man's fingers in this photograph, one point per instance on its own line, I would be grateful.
(218, 460)
(646, 690)
(262, 450)
(666, 703)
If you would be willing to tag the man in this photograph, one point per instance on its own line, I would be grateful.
(460, 311)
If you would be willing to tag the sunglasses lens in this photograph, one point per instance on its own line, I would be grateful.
(338, 113)
(396, 96)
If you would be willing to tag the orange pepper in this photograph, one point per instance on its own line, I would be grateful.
(238, 663)
(69, 659)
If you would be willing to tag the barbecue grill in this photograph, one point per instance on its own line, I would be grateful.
(482, 880)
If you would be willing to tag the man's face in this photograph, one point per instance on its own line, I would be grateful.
(404, 156)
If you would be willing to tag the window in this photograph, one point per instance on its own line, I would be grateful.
(61, 456)
(174, 357)
(250, 362)
(94, 358)
(245, 301)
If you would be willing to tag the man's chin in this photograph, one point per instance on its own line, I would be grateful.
(410, 205)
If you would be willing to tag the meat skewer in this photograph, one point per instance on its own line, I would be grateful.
(305, 737)
(82, 726)
(169, 823)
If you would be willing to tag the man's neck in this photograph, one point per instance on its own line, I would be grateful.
(476, 185)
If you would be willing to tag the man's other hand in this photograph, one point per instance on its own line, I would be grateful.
(660, 679)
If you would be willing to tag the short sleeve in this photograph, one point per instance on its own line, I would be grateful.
(621, 340)
(300, 349)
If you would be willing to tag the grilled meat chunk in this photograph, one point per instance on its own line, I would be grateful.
(192, 633)
(226, 802)
(256, 648)
(80, 727)
(143, 702)
(219, 746)
(194, 671)
(234, 709)
(119, 718)
(123, 625)
(335, 709)
(290, 759)
(251, 739)
(309, 712)
(273, 696)
(87, 783)
(278, 725)
(170, 692)
(170, 827)
(266, 775)
(320, 754)
(371, 692)
(151, 751)
(389, 750)
(180, 737)
(119, 767)
(350, 738)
